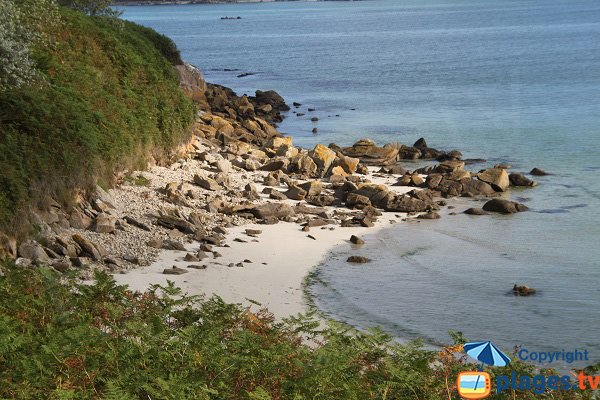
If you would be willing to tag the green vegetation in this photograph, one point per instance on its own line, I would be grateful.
(62, 340)
(104, 97)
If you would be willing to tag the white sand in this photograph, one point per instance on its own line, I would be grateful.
(288, 252)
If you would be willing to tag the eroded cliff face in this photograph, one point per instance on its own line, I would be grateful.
(193, 84)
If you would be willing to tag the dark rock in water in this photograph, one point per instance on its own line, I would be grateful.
(503, 166)
(175, 271)
(538, 172)
(314, 119)
(311, 109)
(300, 114)
(520, 180)
(245, 74)
(523, 290)
(271, 97)
(420, 143)
(476, 211)
(356, 240)
(358, 260)
(504, 206)
(470, 161)
(315, 130)
(296, 104)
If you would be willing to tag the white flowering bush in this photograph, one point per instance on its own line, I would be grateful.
(22, 26)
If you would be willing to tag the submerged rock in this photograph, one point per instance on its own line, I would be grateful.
(520, 180)
(358, 260)
(504, 206)
(523, 290)
(538, 172)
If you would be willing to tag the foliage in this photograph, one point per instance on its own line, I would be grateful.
(94, 8)
(62, 340)
(20, 29)
(111, 98)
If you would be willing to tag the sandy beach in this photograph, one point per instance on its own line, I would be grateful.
(281, 257)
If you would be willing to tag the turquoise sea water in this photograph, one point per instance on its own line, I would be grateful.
(509, 81)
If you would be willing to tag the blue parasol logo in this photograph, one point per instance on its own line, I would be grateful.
(486, 353)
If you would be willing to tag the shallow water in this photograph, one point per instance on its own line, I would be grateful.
(509, 81)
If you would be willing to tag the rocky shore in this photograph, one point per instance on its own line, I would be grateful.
(238, 170)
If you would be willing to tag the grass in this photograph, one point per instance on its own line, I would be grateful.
(110, 99)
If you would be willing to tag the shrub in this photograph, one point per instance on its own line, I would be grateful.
(63, 340)
(109, 100)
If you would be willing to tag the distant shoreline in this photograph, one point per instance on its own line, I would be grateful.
(188, 2)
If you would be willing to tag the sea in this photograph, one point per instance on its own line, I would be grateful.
(509, 81)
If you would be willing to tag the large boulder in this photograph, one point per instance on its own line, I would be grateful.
(302, 164)
(370, 154)
(520, 180)
(105, 223)
(538, 172)
(407, 204)
(347, 164)
(312, 188)
(206, 183)
(379, 195)
(271, 97)
(475, 187)
(277, 210)
(88, 248)
(504, 206)
(496, 177)
(192, 83)
(33, 251)
(278, 141)
(295, 193)
(449, 166)
(323, 157)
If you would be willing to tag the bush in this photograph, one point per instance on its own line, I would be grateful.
(63, 340)
(111, 99)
